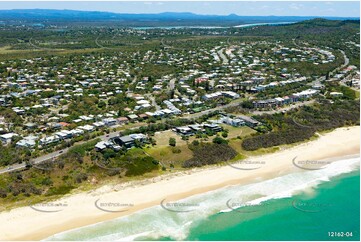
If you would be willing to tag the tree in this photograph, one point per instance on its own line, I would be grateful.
(172, 142)
(195, 142)
(247, 104)
(184, 137)
(109, 153)
(219, 140)
(152, 141)
(102, 104)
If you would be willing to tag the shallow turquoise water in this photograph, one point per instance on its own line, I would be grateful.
(334, 207)
(298, 206)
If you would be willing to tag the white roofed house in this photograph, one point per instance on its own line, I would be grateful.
(141, 102)
(306, 93)
(109, 121)
(158, 113)
(77, 132)
(64, 134)
(49, 140)
(149, 114)
(336, 94)
(213, 127)
(27, 142)
(2, 102)
(196, 127)
(87, 127)
(86, 118)
(139, 137)
(214, 95)
(6, 138)
(233, 121)
(184, 130)
(99, 124)
(19, 111)
(279, 100)
(230, 94)
(132, 117)
(101, 145)
(107, 144)
(167, 111)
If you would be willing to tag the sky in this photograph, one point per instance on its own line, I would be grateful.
(243, 8)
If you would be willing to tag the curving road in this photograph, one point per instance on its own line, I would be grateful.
(106, 137)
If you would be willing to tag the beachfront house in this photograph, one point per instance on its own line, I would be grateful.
(213, 127)
(125, 141)
(250, 122)
(184, 130)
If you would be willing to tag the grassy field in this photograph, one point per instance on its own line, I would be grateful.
(234, 132)
(166, 156)
(162, 138)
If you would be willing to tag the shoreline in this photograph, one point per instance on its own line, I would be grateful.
(81, 208)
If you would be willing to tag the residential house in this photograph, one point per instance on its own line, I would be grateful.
(27, 142)
(250, 122)
(109, 121)
(213, 127)
(184, 130)
(123, 120)
(125, 141)
(132, 117)
(6, 138)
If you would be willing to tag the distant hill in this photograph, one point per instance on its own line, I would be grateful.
(317, 29)
(168, 18)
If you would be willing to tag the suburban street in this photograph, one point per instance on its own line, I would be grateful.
(171, 86)
(223, 57)
(55, 154)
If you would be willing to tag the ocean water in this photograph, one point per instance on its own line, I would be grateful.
(310, 205)
(214, 27)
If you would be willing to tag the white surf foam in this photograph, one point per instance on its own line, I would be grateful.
(158, 222)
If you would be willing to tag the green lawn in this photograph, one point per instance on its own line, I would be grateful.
(234, 132)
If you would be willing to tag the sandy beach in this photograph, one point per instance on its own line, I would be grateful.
(86, 208)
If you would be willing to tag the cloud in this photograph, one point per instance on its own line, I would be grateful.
(296, 6)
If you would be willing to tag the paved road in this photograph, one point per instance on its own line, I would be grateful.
(347, 60)
(106, 137)
(294, 42)
(35, 161)
(222, 55)
(55, 154)
(172, 84)
(195, 115)
(168, 46)
(132, 83)
(152, 99)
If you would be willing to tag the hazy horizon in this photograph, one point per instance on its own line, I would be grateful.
(241, 8)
